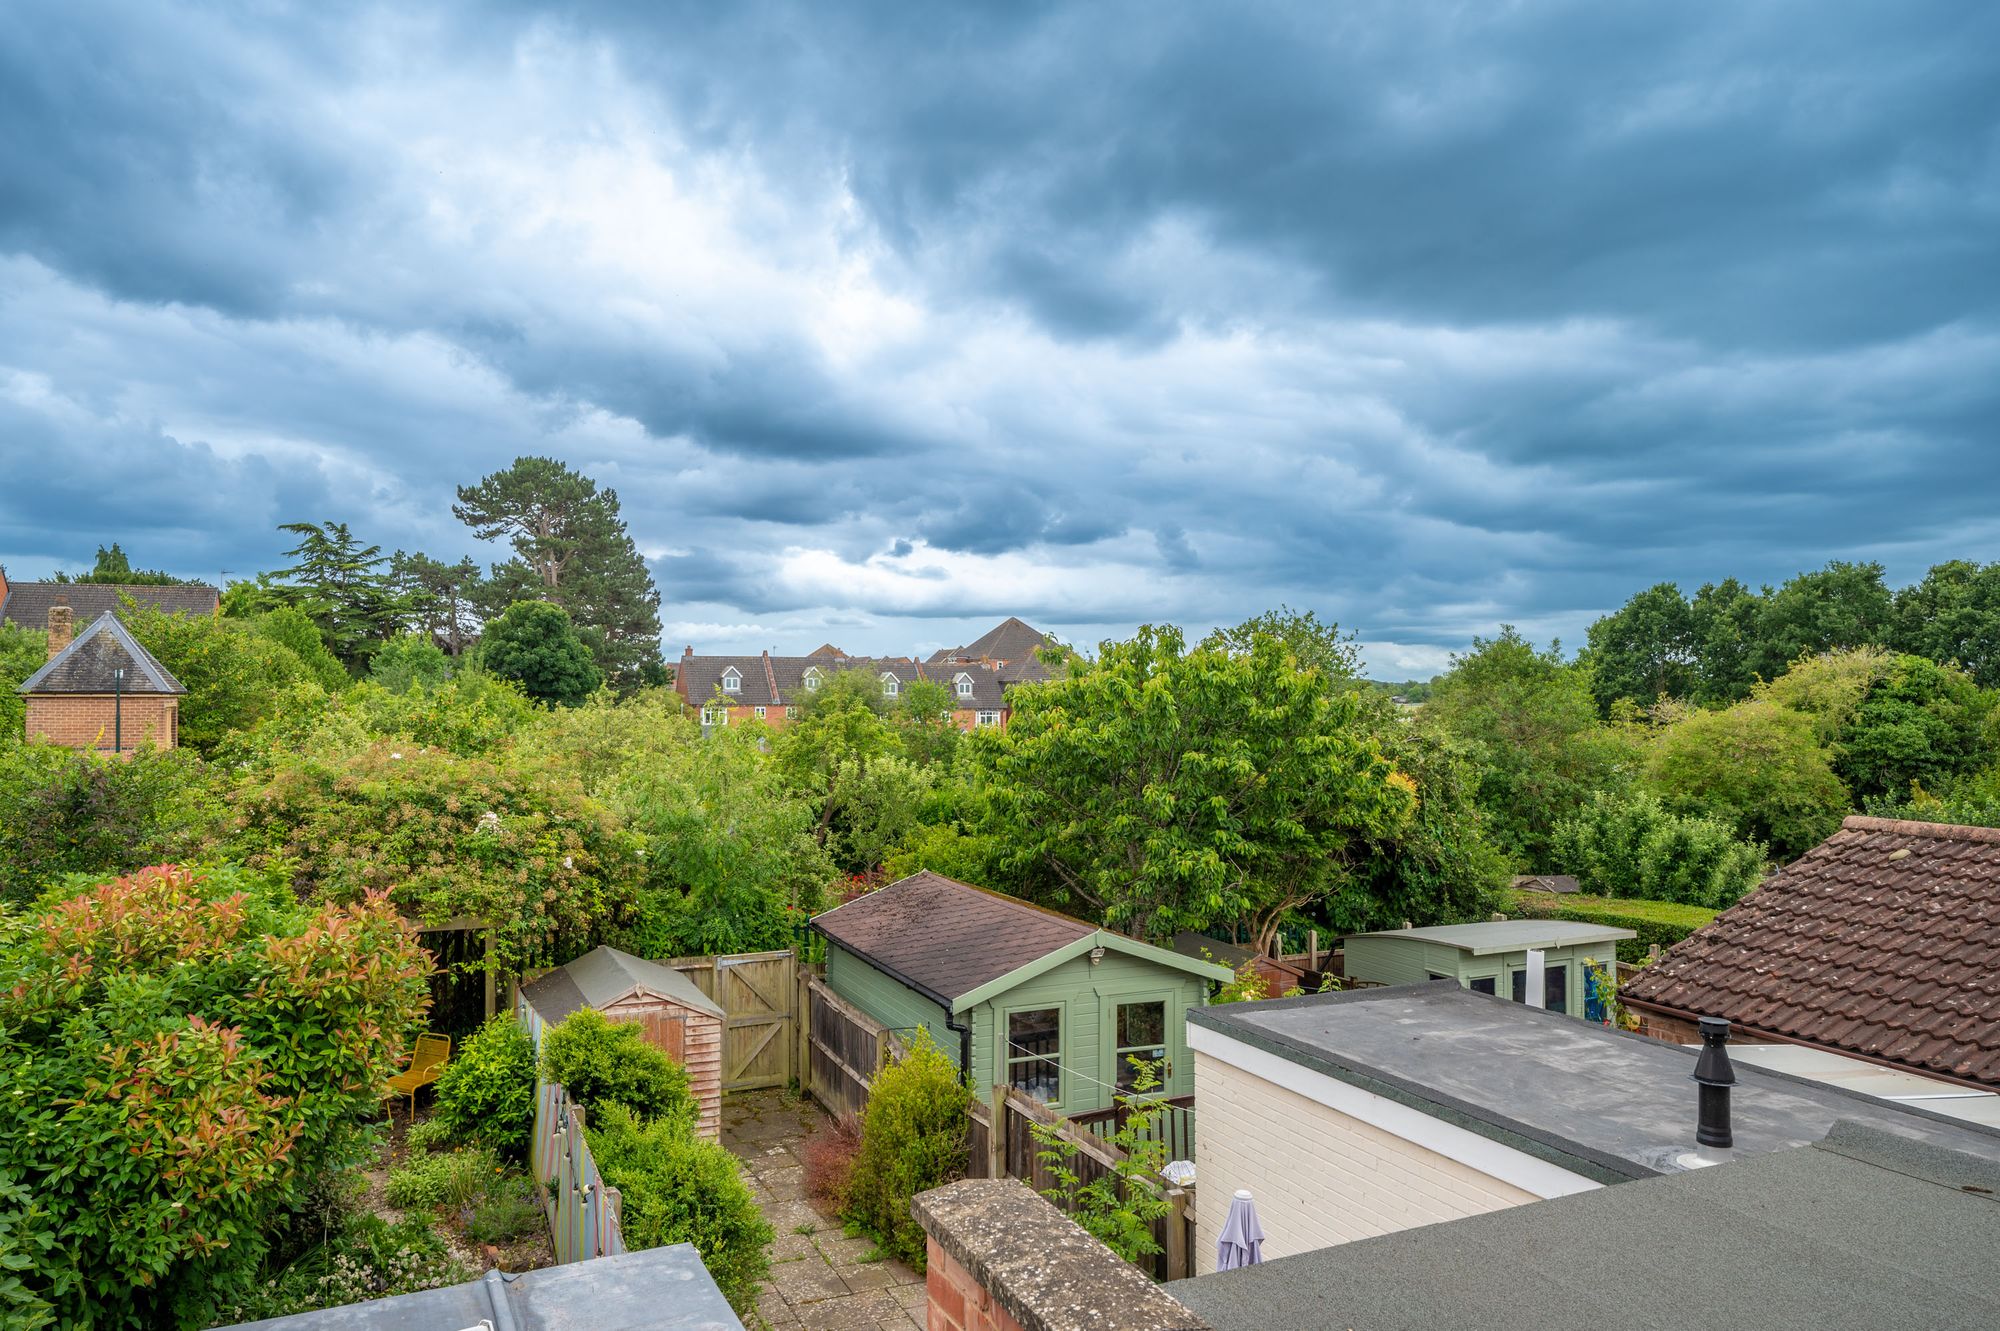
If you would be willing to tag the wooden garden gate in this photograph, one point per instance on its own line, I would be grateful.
(758, 992)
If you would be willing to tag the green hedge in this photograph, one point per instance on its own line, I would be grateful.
(1662, 922)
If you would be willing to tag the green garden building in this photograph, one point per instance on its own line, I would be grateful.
(1492, 958)
(1053, 1006)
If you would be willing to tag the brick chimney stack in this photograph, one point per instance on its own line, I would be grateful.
(61, 628)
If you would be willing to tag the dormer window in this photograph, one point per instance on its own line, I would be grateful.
(732, 681)
(890, 685)
(812, 678)
(963, 682)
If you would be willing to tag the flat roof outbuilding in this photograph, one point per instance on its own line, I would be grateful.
(1490, 936)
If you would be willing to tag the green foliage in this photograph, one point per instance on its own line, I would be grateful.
(1313, 645)
(64, 811)
(408, 661)
(1631, 846)
(486, 1093)
(1842, 605)
(343, 586)
(289, 627)
(535, 645)
(1118, 1207)
(365, 1258)
(731, 861)
(450, 1181)
(235, 677)
(604, 1063)
(439, 599)
(187, 1050)
(22, 653)
(1169, 789)
(913, 1138)
(511, 1211)
(1248, 985)
(1921, 723)
(1645, 650)
(608, 736)
(547, 867)
(571, 548)
(1953, 617)
(1530, 722)
(1756, 766)
(114, 567)
(1661, 922)
(676, 1188)
(472, 714)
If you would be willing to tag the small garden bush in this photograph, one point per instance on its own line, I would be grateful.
(487, 1092)
(368, 1258)
(913, 1138)
(1631, 846)
(451, 1181)
(608, 1062)
(1662, 922)
(510, 1211)
(677, 1188)
(829, 1160)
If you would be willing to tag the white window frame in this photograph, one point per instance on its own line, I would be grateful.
(790, 711)
(989, 716)
(760, 712)
(812, 678)
(891, 686)
(963, 682)
(732, 680)
(715, 716)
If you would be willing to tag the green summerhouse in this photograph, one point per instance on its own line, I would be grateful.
(1028, 998)
(1492, 958)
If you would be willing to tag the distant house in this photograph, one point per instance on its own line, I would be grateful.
(1493, 957)
(1050, 1005)
(27, 604)
(1882, 942)
(1545, 882)
(730, 690)
(1356, 1114)
(101, 690)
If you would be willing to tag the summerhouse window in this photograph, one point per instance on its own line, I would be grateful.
(1034, 1053)
(1555, 985)
(1485, 984)
(1142, 1034)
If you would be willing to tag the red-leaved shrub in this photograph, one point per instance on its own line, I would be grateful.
(829, 1159)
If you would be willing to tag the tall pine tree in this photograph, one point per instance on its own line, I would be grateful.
(571, 548)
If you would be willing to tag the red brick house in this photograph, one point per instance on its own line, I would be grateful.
(731, 690)
(101, 690)
(1880, 943)
(27, 603)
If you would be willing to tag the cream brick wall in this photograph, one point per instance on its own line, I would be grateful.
(1320, 1177)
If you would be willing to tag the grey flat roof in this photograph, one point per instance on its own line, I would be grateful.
(1864, 1230)
(664, 1288)
(1603, 1103)
(1492, 936)
(604, 975)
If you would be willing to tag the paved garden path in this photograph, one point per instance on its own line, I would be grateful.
(819, 1278)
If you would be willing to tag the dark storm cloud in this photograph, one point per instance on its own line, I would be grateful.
(1425, 315)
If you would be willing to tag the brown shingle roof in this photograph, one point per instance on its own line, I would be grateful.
(945, 936)
(1883, 941)
(1012, 639)
(28, 603)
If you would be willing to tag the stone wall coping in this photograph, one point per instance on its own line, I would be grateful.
(1040, 1265)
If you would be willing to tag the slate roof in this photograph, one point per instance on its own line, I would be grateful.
(1012, 639)
(27, 603)
(1883, 940)
(604, 975)
(1863, 1230)
(1602, 1103)
(947, 937)
(774, 681)
(85, 665)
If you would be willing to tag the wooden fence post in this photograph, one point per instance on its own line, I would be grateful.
(996, 1133)
(1176, 1255)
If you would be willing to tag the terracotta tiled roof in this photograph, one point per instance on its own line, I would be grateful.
(27, 603)
(946, 936)
(1883, 941)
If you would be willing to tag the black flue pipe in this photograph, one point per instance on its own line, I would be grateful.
(1714, 1074)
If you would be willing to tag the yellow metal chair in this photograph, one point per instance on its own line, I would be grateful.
(427, 1061)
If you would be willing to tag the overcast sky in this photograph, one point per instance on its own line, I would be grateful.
(886, 321)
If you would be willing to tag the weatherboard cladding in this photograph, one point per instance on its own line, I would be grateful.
(947, 937)
(1883, 941)
(27, 603)
(89, 663)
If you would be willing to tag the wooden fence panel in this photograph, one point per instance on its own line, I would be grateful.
(582, 1208)
(1174, 1125)
(846, 1046)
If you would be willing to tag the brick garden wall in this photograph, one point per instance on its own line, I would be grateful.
(957, 1300)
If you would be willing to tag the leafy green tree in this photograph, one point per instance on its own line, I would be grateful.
(66, 812)
(841, 729)
(1167, 789)
(608, 737)
(409, 661)
(571, 548)
(1921, 723)
(235, 677)
(731, 861)
(535, 645)
(1722, 622)
(1631, 846)
(1841, 605)
(486, 1093)
(343, 586)
(1757, 766)
(288, 626)
(114, 567)
(1315, 646)
(601, 1062)
(1953, 615)
(1646, 650)
(1531, 723)
(188, 1051)
(23, 651)
(923, 719)
(441, 599)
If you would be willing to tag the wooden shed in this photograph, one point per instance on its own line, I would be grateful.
(1053, 1006)
(1492, 958)
(675, 1015)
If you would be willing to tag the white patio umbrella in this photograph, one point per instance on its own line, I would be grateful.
(1241, 1242)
